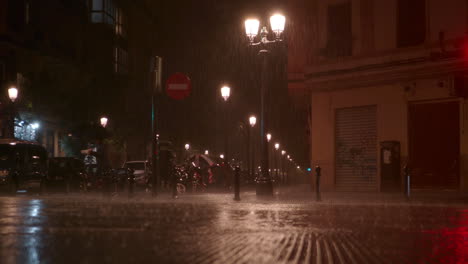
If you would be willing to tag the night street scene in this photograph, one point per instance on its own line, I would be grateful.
(234, 131)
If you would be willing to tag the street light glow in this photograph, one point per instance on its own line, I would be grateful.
(268, 137)
(225, 92)
(104, 121)
(277, 23)
(252, 121)
(221, 156)
(187, 146)
(277, 145)
(251, 28)
(206, 152)
(283, 152)
(13, 93)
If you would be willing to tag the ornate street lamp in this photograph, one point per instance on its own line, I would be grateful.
(277, 23)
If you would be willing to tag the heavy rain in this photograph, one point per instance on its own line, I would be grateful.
(221, 131)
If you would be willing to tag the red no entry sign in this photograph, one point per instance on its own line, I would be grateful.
(178, 86)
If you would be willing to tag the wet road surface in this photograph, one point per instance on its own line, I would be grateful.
(211, 228)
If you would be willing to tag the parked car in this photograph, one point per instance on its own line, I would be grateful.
(141, 171)
(23, 165)
(67, 174)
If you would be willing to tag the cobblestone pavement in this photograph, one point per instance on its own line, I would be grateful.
(212, 228)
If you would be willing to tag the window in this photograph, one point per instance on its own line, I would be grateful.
(120, 23)
(411, 23)
(339, 41)
(103, 11)
(120, 61)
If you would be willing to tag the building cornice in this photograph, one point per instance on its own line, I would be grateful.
(376, 71)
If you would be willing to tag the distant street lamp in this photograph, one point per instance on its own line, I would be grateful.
(13, 93)
(251, 153)
(283, 172)
(221, 156)
(277, 146)
(268, 136)
(206, 152)
(104, 121)
(9, 131)
(225, 93)
(187, 146)
(277, 23)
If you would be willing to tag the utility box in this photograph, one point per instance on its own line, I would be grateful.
(390, 174)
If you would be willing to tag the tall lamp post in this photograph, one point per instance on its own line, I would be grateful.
(102, 156)
(225, 93)
(13, 95)
(252, 122)
(187, 148)
(283, 176)
(277, 146)
(277, 22)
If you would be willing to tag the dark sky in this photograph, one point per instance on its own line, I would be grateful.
(205, 39)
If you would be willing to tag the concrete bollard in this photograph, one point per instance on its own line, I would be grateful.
(318, 172)
(237, 184)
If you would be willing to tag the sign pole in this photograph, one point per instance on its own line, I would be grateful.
(157, 88)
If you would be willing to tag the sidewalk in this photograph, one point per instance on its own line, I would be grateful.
(304, 193)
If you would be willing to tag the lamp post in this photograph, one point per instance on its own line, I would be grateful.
(11, 113)
(225, 93)
(187, 148)
(277, 146)
(252, 122)
(277, 22)
(102, 151)
(283, 174)
(155, 98)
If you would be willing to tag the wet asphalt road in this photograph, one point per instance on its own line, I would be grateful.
(211, 228)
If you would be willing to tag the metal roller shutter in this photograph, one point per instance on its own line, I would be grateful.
(356, 149)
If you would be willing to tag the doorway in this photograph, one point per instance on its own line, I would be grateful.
(434, 145)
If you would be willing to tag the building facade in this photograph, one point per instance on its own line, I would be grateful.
(74, 61)
(386, 87)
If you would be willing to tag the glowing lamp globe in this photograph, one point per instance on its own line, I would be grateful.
(13, 93)
(252, 121)
(251, 28)
(104, 121)
(225, 92)
(277, 23)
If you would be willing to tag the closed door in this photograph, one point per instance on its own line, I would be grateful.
(434, 135)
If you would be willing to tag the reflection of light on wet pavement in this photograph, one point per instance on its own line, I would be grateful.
(448, 244)
(35, 207)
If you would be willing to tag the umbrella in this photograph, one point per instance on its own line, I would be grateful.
(201, 160)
